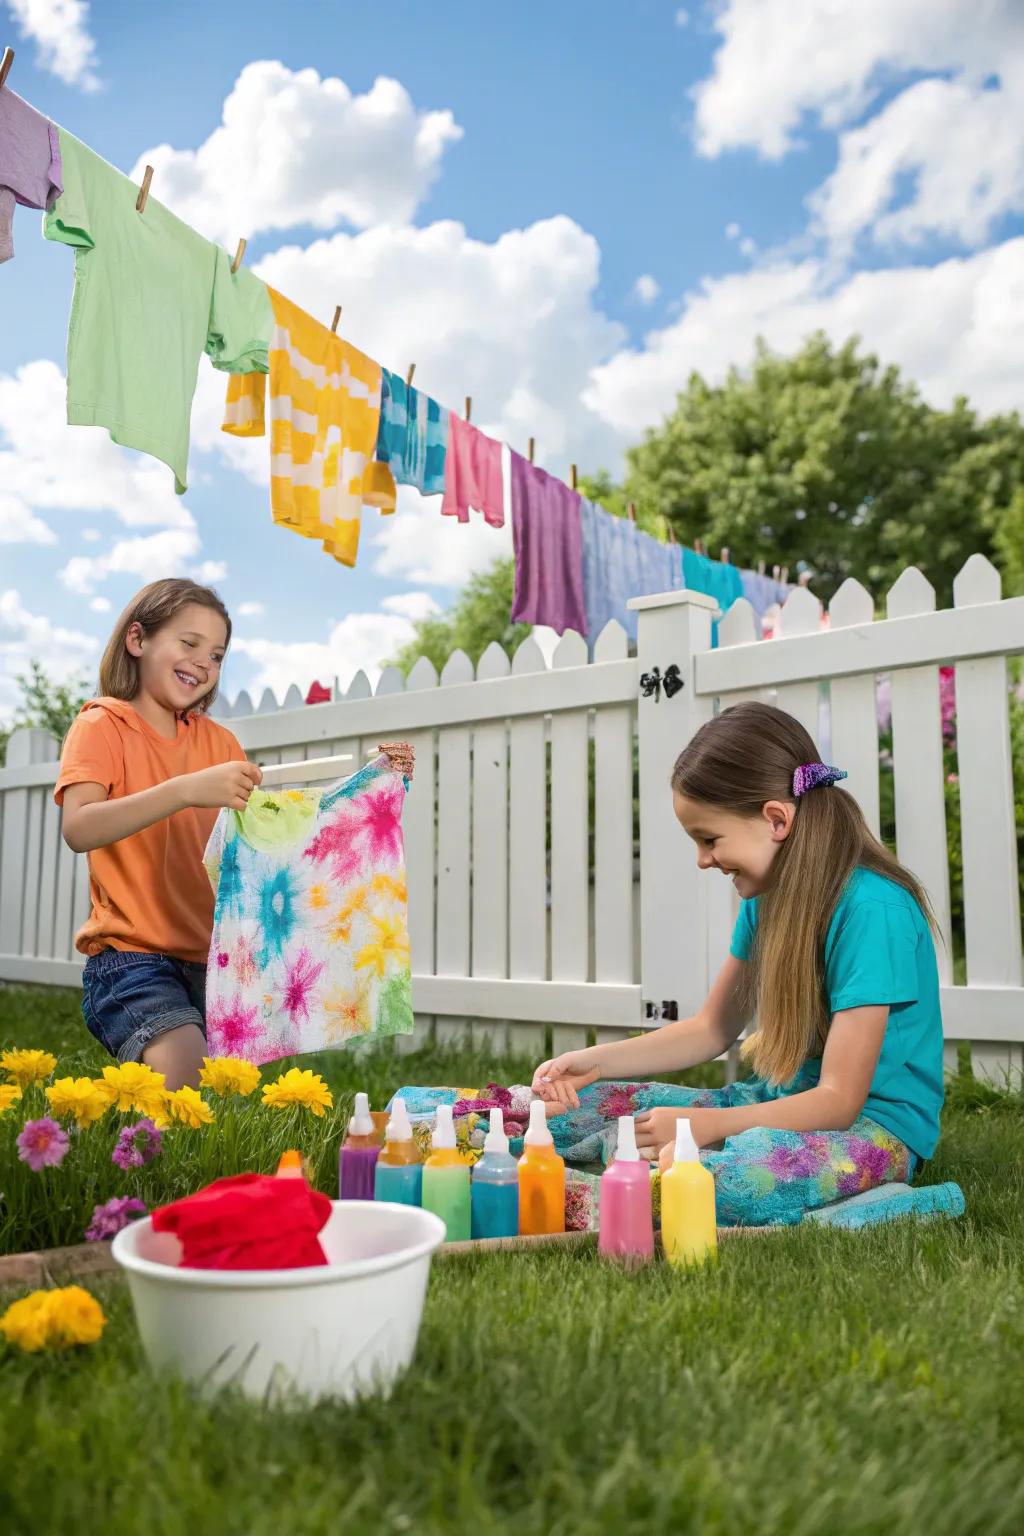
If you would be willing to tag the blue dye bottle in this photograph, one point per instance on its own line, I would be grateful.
(495, 1188)
(399, 1173)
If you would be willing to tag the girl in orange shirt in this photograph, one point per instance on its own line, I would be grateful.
(144, 771)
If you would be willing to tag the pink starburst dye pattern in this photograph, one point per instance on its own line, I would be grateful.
(233, 1029)
(379, 821)
(300, 978)
(337, 843)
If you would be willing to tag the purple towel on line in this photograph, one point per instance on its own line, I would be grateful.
(548, 545)
(29, 163)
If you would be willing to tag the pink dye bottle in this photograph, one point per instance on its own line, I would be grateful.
(358, 1161)
(627, 1226)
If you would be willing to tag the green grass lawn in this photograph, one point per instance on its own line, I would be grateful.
(813, 1382)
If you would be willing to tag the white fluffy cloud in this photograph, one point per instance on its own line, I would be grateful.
(411, 605)
(957, 327)
(646, 288)
(101, 605)
(45, 465)
(294, 149)
(60, 30)
(419, 544)
(26, 636)
(148, 559)
(18, 526)
(358, 641)
(250, 610)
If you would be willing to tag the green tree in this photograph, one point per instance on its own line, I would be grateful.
(479, 615)
(828, 458)
(46, 703)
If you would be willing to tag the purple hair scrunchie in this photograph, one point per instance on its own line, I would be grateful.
(813, 776)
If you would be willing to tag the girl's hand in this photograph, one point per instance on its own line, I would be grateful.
(702, 1124)
(656, 1128)
(227, 786)
(559, 1081)
(401, 756)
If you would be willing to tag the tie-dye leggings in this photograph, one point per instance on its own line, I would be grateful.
(762, 1176)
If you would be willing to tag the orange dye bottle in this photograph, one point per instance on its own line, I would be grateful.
(541, 1179)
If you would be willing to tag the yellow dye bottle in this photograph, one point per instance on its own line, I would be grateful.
(541, 1179)
(689, 1233)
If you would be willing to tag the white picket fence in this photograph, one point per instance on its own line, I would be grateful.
(529, 906)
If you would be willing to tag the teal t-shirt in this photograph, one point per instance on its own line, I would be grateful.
(879, 950)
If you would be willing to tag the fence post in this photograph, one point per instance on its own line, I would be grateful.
(674, 627)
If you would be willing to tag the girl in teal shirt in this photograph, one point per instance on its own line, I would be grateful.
(832, 952)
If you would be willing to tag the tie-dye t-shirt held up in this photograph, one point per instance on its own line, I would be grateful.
(310, 944)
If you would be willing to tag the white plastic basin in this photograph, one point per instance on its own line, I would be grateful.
(337, 1330)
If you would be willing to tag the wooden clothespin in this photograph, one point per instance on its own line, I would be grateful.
(760, 567)
(337, 317)
(698, 546)
(776, 572)
(631, 511)
(143, 197)
(409, 375)
(238, 256)
(529, 450)
(725, 555)
(5, 66)
(785, 575)
(670, 533)
(469, 407)
(572, 476)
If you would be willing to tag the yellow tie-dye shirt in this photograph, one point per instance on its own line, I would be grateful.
(324, 420)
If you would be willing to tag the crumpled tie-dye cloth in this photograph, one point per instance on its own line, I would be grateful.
(310, 945)
(763, 1177)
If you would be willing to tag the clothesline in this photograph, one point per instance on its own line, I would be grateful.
(344, 431)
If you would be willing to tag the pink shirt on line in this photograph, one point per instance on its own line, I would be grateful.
(472, 474)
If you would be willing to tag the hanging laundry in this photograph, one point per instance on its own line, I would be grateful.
(620, 561)
(548, 544)
(764, 594)
(325, 417)
(29, 163)
(715, 578)
(413, 436)
(472, 474)
(310, 945)
(150, 297)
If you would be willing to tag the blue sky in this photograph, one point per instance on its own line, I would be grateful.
(490, 215)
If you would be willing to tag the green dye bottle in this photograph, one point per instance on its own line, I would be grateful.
(446, 1180)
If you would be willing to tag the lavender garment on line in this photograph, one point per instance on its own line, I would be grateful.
(620, 561)
(548, 544)
(29, 163)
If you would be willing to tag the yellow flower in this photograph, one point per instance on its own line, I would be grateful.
(133, 1085)
(78, 1097)
(189, 1106)
(54, 1319)
(27, 1066)
(391, 943)
(299, 1087)
(10, 1093)
(229, 1074)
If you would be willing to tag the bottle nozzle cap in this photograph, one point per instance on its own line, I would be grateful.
(361, 1123)
(687, 1150)
(496, 1140)
(444, 1128)
(625, 1150)
(399, 1127)
(290, 1166)
(538, 1134)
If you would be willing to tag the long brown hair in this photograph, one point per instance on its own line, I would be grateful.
(739, 761)
(152, 608)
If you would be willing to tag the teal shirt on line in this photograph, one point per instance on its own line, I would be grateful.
(879, 950)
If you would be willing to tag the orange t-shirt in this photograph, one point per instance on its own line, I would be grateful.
(149, 891)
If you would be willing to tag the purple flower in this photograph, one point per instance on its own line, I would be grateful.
(107, 1220)
(42, 1144)
(137, 1145)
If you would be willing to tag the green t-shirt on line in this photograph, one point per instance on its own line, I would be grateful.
(879, 950)
(150, 297)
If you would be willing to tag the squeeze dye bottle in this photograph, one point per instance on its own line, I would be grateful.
(689, 1234)
(446, 1180)
(399, 1173)
(358, 1154)
(495, 1188)
(627, 1223)
(541, 1179)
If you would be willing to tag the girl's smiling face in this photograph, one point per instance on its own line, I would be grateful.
(180, 662)
(742, 847)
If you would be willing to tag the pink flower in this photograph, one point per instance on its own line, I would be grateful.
(107, 1220)
(42, 1144)
(137, 1145)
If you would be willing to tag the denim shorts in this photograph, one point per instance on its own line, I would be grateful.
(129, 998)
